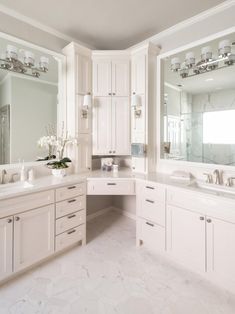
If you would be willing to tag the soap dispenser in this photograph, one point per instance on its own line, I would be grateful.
(23, 176)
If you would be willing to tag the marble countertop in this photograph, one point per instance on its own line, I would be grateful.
(159, 178)
(50, 182)
(11, 190)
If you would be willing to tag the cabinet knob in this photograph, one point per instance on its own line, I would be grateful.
(9, 220)
(114, 94)
(202, 218)
(17, 218)
(114, 151)
(133, 93)
(110, 151)
(110, 94)
(209, 221)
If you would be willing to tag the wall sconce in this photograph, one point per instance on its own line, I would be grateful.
(86, 105)
(136, 104)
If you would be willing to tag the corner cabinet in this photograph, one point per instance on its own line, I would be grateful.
(111, 104)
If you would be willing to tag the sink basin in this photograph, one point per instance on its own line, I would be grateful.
(11, 187)
(213, 187)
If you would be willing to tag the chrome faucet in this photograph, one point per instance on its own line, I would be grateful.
(217, 176)
(4, 172)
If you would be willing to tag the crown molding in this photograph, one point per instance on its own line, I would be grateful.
(188, 22)
(38, 25)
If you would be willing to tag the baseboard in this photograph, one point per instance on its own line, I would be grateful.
(104, 211)
(99, 213)
(124, 213)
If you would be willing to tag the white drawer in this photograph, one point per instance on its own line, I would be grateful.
(111, 187)
(26, 202)
(152, 235)
(70, 191)
(152, 191)
(149, 208)
(70, 237)
(70, 221)
(71, 205)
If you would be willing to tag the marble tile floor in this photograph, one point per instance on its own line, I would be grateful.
(111, 276)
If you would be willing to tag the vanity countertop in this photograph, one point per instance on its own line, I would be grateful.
(50, 182)
(159, 178)
(11, 190)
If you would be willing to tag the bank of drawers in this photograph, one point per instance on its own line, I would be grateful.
(151, 214)
(70, 225)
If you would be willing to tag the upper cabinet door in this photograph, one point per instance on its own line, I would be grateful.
(102, 69)
(33, 236)
(120, 126)
(120, 77)
(102, 126)
(6, 247)
(83, 78)
(138, 74)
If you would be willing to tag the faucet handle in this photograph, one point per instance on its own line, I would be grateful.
(230, 181)
(209, 178)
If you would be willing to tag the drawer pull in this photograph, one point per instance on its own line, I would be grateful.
(71, 216)
(72, 201)
(111, 183)
(149, 224)
(150, 187)
(71, 187)
(149, 201)
(72, 231)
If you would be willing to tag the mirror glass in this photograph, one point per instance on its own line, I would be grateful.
(28, 102)
(198, 104)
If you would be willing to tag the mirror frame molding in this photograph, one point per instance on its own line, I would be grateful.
(166, 165)
(62, 106)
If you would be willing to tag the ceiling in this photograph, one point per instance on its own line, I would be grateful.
(109, 24)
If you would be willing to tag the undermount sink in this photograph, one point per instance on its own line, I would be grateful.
(212, 187)
(4, 188)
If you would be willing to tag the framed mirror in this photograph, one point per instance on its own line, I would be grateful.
(31, 99)
(197, 103)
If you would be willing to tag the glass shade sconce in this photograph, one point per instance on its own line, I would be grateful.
(23, 62)
(136, 105)
(86, 105)
(207, 61)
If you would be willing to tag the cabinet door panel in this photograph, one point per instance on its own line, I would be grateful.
(6, 247)
(138, 75)
(83, 78)
(186, 232)
(120, 77)
(102, 77)
(33, 236)
(120, 126)
(102, 132)
(221, 249)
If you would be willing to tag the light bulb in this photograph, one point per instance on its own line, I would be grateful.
(11, 52)
(175, 64)
(206, 53)
(190, 59)
(44, 64)
(29, 58)
(224, 48)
